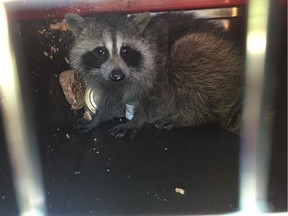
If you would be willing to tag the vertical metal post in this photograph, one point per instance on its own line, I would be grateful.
(22, 148)
(256, 140)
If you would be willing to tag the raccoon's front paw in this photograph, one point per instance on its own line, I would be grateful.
(122, 130)
(83, 125)
(165, 124)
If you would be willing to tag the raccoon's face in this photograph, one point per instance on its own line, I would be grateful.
(111, 49)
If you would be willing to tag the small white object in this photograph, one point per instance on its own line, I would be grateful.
(180, 191)
(129, 112)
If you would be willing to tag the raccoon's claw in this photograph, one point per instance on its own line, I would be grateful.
(120, 131)
(82, 126)
(164, 124)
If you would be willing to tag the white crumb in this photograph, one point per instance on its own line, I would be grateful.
(180, 191)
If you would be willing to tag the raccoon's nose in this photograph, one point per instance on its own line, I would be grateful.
(117, 75)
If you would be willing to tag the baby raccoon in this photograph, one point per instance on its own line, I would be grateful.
(173, 69)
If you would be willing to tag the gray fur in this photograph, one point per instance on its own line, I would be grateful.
(190, 73)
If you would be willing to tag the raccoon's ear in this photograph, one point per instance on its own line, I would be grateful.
(142, 20)
(75, 23)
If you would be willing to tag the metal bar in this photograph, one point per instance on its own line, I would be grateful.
(22, 148)
(255, 145)
(29, 9)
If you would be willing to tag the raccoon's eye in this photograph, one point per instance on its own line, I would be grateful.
(125, 50)
(100, 52)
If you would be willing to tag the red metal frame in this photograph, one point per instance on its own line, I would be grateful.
(58, 10)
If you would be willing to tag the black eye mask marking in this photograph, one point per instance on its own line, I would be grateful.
(133, 58)
(96, 57)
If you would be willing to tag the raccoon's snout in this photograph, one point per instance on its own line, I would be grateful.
(117, 75)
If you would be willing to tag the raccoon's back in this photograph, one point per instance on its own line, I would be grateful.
(164, 29)
(202, 73)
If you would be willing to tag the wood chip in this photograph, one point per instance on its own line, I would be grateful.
(73, 88)
(59, 26)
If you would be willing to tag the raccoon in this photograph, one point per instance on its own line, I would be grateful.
(175, 70)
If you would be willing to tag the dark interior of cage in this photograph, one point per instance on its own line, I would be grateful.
(95, 173)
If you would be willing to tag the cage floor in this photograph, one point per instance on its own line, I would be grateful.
(96, 174)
